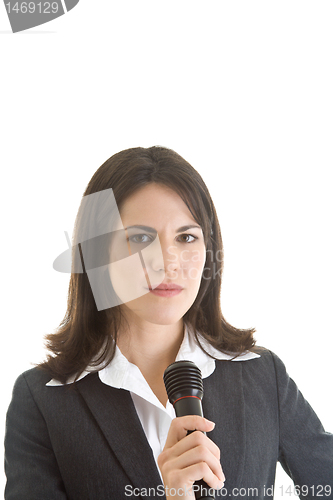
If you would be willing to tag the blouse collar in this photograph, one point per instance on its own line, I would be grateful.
(122, 374)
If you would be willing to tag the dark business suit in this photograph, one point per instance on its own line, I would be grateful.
(85, 441)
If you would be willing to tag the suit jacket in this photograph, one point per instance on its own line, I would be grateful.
(85, 441)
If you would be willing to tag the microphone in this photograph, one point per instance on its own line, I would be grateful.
(183, 383)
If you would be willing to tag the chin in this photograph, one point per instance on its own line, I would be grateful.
(157, 314)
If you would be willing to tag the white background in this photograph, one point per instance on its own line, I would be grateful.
(243, 91)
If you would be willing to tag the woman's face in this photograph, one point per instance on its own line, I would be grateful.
(163, 252)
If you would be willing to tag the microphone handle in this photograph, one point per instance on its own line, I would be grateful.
(191, 405)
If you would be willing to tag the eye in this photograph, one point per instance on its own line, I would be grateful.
(140, 238)
(190, 236)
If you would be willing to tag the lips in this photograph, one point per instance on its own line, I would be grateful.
(166, 290)
(166, 286)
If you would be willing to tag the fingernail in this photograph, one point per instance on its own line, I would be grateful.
(210, 421)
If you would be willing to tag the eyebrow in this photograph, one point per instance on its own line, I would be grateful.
(152, 230)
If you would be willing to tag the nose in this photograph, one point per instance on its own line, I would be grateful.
(166, 258)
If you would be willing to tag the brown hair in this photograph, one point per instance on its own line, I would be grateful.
(86, 334)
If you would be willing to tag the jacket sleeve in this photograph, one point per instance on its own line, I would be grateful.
(305, 449)
(30, 464)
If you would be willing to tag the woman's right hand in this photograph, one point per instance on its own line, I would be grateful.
(189, 458)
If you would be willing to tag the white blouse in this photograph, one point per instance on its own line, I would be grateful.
(154, 417)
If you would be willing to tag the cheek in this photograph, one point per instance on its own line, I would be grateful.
(192, 262)
(128, 278)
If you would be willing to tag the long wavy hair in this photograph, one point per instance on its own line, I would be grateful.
(88, 336)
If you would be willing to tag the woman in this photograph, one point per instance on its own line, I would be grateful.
(93, 421)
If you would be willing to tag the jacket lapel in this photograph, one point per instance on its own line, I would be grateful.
(223, 403)
(115, 413)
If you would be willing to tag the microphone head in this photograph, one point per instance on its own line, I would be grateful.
(181, 379)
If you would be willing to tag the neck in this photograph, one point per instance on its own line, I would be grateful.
(152, 348)
(151, 344)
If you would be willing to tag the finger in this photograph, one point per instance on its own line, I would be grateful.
(201, 471)
(199, 454)
(193, 440)
(181, 425)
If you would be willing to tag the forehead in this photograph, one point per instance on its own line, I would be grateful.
(154, 202)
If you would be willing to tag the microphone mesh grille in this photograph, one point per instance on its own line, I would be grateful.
(183, 378)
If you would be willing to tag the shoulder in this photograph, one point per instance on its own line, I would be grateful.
(33, 400)
(265, 359)
(268, 363)
(29, 387)
(266, 369)
(33, 379)
(24, 408)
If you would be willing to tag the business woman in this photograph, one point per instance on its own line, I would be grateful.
(94, 421)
